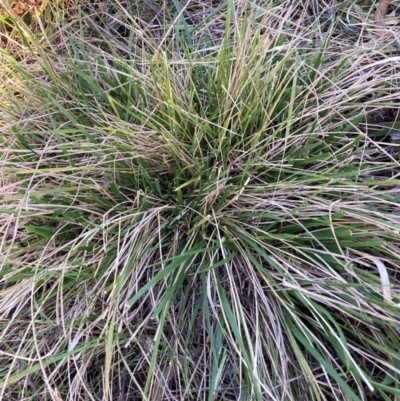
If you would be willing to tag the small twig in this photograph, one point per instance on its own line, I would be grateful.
(123, 386)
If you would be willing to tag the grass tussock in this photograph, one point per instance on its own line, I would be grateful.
(200, 202)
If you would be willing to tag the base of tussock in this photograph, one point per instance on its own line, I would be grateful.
(200, 202)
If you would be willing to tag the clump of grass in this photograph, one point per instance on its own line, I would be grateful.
(190, 220)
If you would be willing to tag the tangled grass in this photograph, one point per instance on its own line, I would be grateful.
(200, 202)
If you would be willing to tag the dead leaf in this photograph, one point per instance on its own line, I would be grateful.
(380, 13)
(19, 8)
